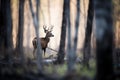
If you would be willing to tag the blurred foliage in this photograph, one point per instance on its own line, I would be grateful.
(61, 70)
(56, 69)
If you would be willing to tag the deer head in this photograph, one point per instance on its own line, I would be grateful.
(48, 31)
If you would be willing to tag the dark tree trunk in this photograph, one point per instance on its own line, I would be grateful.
(104, 39)
(61, 53)
(70, 52)
(2, 26)
(88, 32)
(19, 43)
(77, 26)
(6, 42)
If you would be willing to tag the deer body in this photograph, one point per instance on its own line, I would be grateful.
(44, 41)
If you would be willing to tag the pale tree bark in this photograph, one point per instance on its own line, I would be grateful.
(61, 52)
(19, 41)
(37, 10)
(104, 39)
(36, 25)
(6, 42)
(88, 33)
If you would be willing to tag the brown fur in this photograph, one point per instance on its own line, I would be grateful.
(44, 42)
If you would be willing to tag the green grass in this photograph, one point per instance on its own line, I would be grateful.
(61, 70)
(56, 69)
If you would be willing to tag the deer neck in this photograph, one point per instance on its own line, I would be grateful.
(47, 38)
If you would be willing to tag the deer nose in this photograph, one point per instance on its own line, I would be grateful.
(52, 35)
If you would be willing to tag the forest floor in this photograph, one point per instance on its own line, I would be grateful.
(29, 71)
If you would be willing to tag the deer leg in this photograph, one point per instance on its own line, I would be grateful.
(44, 51)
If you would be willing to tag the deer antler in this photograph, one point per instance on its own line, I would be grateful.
(44, 27)
(47, 30)
(51, 28)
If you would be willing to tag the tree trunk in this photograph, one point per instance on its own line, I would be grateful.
(88, 32)
(6, 42)
(70, 52)
(61, 52)
(19, 43)
(36, 26)
(2, 27)
(104, 39)
(76, 27)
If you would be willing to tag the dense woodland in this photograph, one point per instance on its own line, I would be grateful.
(97, 59)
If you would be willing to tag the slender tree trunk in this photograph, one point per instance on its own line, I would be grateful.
(37, 10)
(70, 52)
(36, 25)
(61, 52)
(104, 39)
(39, 50)
(76, 27)
(88, 33)
(6, 42)
(19, 43)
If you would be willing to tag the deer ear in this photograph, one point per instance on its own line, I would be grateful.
(45, 31)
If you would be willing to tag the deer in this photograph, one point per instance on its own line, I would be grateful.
(43, 40)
